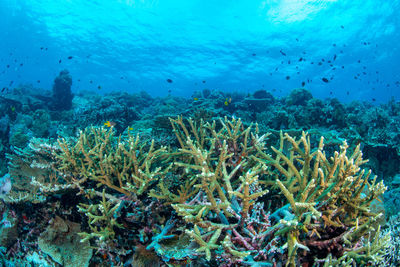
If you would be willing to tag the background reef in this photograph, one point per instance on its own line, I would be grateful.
(221, 178)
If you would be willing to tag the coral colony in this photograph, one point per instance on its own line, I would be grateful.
(115, 187)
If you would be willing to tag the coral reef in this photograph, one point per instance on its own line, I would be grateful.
(146, 187)
(62, 94)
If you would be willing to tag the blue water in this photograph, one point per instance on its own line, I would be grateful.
(223, 45)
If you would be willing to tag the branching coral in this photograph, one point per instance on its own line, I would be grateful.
(122, 165)
(329, 198)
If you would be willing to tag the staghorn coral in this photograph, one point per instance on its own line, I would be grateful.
(329, 199)
(122, 165)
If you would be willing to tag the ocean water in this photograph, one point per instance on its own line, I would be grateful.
(183, 133)
(231, 45)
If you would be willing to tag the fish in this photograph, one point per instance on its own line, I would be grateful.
(204, 81)
(227, 101)
(303, 83)
(110, 124)
(283, 53)
(12, 109)
(59, 61)
(195, 98)
(325, 80)
(70, 57)
(4, 88)
(99, 87)
(169, 81)
(254, 54)
(38, 81)
(287, 77)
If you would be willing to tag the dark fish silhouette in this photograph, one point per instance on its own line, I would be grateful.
(204, 81)
(59, 61)
(70, 57)
(169, 80)
(283, 53)
(303, 83)
(325, 80)
(287, 77)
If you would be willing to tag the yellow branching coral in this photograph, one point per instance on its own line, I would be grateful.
(126, 166)
(322, 192)
(102, 220)
(220, 180)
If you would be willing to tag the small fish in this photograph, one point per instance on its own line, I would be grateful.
(195, 98)
(38, 81)
(59, 61)
(283, 53)
(8, 66)
(4, 88)
(253, 54)
(42, 48)
(130, 129)
(13, 109)
(341, 26)
(99, 87)
(303, 83)
(70, 57)
(21, 64)
(110, 124)
(91, 81)
(325, 80)
(287, 77)
(204, 81)
(300, 59)
(227, 101)
(373, 99)
(169, 81)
